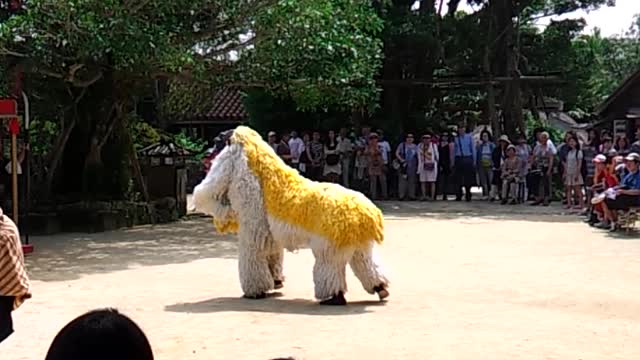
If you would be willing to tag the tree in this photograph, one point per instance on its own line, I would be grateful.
(104, 52)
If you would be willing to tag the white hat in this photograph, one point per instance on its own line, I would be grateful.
(633, 157)
(505, 138)
(600, 159)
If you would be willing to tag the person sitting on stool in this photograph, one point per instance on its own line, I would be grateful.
(627, 194)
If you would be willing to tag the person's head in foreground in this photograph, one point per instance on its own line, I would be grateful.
(101, 335)
(632, 161)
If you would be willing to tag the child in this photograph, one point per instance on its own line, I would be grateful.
(573, 181)
(604, 179)
(510, 173)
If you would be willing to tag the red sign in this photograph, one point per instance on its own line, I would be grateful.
(8, 107)
(14, 127)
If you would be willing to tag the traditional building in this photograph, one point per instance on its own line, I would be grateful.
(225, 110)
(621, 110)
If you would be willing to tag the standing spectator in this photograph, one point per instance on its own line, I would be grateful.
(607, 144)
(283, 150)
(563, 150)
(296, 146)
(345, 148)
(622, 145)
(407, 169)
(465, 159)
(543, 154)
(375, 163)
(361, 164)
(315, 152)
(445, 151)
(589, 150)
(635, 147)
(304, 166)
(510, 174)
(523, 150)
(332, 169)
(485, 162)
(573, 181)
(428, 158)
(385, 147)
(271, 139)
(14, 283)
(497, 159)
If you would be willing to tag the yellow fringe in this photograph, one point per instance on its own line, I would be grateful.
(328, 210)
(228, 226)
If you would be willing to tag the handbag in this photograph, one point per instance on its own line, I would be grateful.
(332, 159)
(429, 166)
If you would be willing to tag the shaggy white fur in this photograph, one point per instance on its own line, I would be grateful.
(231, 189)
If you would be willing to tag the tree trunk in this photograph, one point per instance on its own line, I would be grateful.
(56, 156)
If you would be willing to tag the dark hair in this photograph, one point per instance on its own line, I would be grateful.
(488, 134)
(100, 335)
(626, 143)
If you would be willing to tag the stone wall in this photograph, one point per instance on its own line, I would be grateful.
(90, 217)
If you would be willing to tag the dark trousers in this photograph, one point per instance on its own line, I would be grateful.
(6, 322)
(465, 176)
(544, 185)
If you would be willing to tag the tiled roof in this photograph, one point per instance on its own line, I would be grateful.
(227, 104)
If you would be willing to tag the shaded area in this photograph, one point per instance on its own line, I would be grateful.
(272, 304)
(68, 256)
(454, 210)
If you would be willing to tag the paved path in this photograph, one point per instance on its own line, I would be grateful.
(519, 284)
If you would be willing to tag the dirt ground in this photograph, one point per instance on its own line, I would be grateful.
(522, 283)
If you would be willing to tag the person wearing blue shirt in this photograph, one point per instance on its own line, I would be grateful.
(465, 160)
(627, 193)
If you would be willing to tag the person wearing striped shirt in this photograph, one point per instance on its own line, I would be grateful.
(14, 282)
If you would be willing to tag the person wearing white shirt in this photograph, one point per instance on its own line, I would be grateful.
(296, 145)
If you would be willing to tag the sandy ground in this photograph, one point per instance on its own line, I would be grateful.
(519, 284)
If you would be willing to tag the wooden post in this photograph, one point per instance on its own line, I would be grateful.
(14, 176)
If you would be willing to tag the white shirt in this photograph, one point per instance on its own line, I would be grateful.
(344, 145)
(386, 149)
(296, 145)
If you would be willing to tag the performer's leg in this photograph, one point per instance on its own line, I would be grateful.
(255, 276)
(275, 261)
(329, 272)
(368, 270)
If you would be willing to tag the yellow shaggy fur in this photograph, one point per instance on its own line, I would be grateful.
(226, 226)
(346, 218)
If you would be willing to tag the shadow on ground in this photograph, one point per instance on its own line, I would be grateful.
(273, 304)
(453, 210)
(68, 256)
(624, 235)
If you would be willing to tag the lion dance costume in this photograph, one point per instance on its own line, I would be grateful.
(249, 190)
